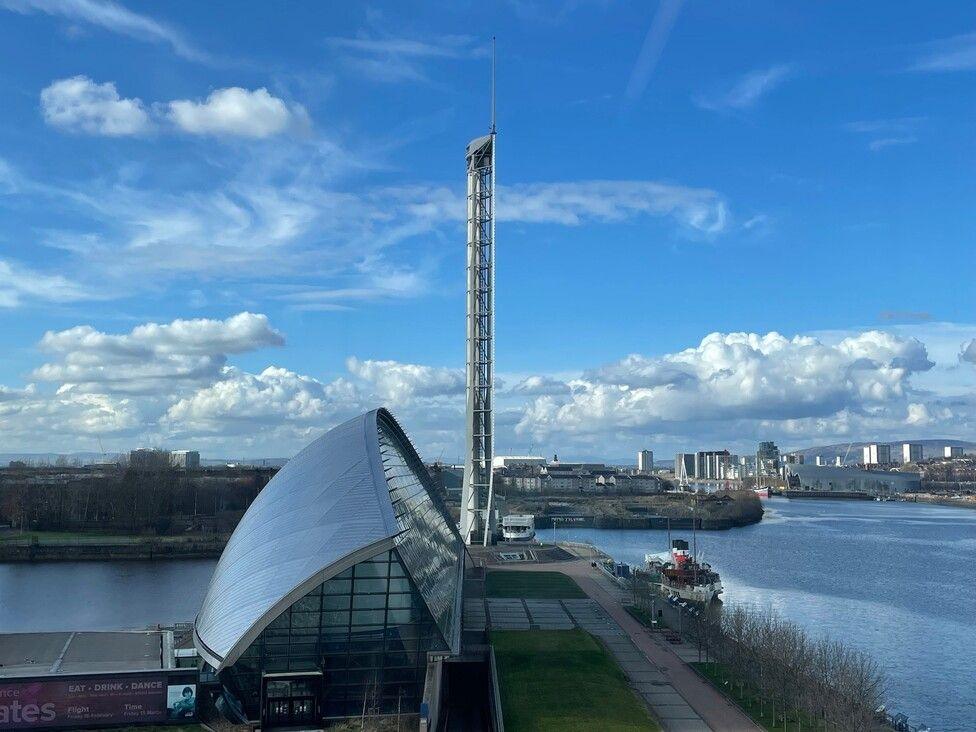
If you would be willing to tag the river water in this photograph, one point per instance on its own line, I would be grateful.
(897, 580)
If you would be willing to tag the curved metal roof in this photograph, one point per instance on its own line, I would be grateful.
(328, 508)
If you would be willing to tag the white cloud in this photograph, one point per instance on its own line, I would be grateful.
(734, 376)
(957, 53)
(112, 17)
(578, 202)
(886, 142)
(540, 385)
(236, 111)
(19, 284)
(400, 383)
(79, 104)
(393, 59)
(152, 357)
(172, 384)
(242, 402)
(747, 91)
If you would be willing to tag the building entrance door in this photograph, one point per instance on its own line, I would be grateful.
(291, 700)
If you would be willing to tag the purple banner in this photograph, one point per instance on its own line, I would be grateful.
(91, 701)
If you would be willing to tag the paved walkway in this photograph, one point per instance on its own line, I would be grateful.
(680, 699)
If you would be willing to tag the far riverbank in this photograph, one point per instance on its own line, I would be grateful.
(83, 546)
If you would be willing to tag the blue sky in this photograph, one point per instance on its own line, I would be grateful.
(668, 171)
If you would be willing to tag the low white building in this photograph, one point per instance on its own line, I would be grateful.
(511, 461)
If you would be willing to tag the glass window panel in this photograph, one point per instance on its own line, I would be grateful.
(305, 620)
(372, 570)
(400, 584)
(335, 618)
(369, 617)
(370, 585)
(307, 603)
(402, 600)
(338, 586)
(335, 602)
(368, 602)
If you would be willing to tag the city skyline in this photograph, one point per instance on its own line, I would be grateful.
(230, 242)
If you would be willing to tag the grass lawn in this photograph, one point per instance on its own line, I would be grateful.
(563, 680)
(532, 585)
(762, 714)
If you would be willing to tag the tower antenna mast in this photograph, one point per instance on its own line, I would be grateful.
(477, 490)
(493, 85)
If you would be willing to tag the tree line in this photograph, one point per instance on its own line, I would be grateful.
(775, 661)
(158, 501)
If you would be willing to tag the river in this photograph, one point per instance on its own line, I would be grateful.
(897, 580)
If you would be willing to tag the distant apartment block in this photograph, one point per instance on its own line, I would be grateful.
(819, 460)
(952, 452)
(911, 452)
(645, 461)
(684, 466)
(767, 459)
(877, 454)
(185, 459)
(146, 458)
(710, 464)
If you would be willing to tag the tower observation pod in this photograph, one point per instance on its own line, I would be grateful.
(476, 497)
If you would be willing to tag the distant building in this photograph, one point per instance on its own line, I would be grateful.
(645, 461)
(819, 460)
(520, 478)
(508, 461)
(684, 466)
(877, 454)
(952, 452)
(911, 452)
(146, 458)
(807, 478)
(767, 459)
(185, 459)
(709, 464)
(838, 460)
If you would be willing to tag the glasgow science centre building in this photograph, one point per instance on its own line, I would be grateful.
(340, 586)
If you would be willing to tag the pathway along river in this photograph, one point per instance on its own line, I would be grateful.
(897, 580)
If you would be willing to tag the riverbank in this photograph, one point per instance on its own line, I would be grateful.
(939, 499)
(82, 546)
(713, 511)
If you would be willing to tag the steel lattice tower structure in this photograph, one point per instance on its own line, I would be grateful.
(476, 496)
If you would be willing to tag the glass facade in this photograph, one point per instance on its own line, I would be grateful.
(428, 545)
(368, 632)
(358, 642)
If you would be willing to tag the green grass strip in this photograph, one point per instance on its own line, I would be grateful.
(564, 681)
(532, 585)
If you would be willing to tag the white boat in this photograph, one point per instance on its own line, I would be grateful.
(518, 527)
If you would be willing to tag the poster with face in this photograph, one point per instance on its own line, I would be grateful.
(181, 701)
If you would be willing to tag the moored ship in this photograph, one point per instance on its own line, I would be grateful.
(683, 576)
